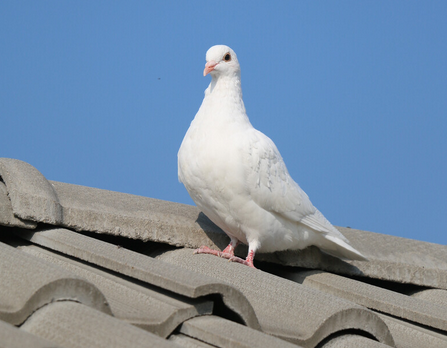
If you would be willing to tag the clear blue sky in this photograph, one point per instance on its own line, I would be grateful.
(354, 94)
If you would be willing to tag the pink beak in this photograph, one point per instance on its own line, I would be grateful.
(209, 66)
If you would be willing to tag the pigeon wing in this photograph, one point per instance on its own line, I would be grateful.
(272, 187)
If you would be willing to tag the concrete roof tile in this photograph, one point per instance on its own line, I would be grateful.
(32, 196)
(13, 337)
(151, 310)
(376, 298)
(141, 267)
(408, 335)
(28, 283)
(74, 325)
(7, 217)
(436, 296)
(352, 341)
(302, 315)
(188, 342)
(137, 217)
(225, 333)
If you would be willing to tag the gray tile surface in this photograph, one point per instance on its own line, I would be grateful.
(32, 196)
(407, 335)
(285, 309)
(188, 342)
(27, 283)
(435, 296)
(101, 211)
(353, 341)
(13, 337)
(224, 333)
(73, 325)
(149, 309)
(382, 300)
(141, 267)
(7, 217)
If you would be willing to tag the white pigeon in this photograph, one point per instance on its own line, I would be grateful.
(238, 179)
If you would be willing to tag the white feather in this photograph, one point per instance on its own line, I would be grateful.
(237, 177)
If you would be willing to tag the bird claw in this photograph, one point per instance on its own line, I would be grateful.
(230, 257)
(242, 261)
(205, 250)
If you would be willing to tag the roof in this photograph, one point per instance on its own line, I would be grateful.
(84, 267)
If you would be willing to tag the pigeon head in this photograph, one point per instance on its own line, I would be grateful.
(221, 60)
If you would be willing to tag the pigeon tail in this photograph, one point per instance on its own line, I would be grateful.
(339, 248)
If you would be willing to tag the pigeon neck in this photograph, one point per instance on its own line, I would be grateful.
(223, 101)
(226, 88)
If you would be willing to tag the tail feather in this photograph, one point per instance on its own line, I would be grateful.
(341, 249)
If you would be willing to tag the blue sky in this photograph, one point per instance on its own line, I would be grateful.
(353, 93)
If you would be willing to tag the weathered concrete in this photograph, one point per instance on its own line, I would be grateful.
(285, 309)
(7, 217)
(101, 211)
(32, 196)
(188, 342)
(135, 304)
(28, 283)
(13, 337)
(73, 325)
(147, 269)
(407, 335)
(436, 296)
(224, 333)
(374, 297)
(353, 341)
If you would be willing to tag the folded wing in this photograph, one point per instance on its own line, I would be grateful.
(273, 189)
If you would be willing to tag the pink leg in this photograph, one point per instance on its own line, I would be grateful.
(248, 261)
(230, 248)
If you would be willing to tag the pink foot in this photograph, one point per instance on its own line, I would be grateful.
(244, 262)
(228, 253)
(205, 250)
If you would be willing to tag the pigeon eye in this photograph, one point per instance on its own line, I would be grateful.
(227, 57)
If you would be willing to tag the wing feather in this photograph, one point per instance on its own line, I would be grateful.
(270, 183)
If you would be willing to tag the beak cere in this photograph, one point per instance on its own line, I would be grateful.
(209, 66)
